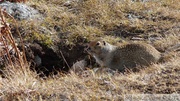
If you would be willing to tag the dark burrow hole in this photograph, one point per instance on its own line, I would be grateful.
(52, 62)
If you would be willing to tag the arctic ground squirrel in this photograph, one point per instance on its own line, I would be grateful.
(123, 56)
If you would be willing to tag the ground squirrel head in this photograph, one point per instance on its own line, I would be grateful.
(99, 50)
(95, 47)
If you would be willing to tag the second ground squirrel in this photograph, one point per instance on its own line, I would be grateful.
(123, 56)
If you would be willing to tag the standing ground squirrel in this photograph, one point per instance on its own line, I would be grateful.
(123, 56)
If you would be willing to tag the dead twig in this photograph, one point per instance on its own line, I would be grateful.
(7, 40)
(64, 59)
(21, 40)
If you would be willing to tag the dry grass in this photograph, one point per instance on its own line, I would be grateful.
(24, 84)
(96, 18)
(110, 19)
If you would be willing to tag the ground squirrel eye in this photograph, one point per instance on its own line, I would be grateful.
(104, 42)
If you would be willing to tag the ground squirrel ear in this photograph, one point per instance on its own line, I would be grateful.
(104, 42)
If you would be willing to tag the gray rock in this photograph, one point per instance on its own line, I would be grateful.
(143, 0)
(20, 11)
(38, 60)
(79, 66)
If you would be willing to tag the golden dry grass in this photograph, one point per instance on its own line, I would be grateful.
(24, 84)
(100, 18)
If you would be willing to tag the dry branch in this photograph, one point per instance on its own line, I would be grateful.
(8, 49)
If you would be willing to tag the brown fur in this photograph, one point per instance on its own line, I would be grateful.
(123, 56)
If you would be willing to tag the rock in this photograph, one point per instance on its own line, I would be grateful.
(20, 11)
(137, 38)
(143, 0)
(38, 60)
(79, 66)
(108, 71)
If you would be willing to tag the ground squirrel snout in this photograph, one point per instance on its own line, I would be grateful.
(123, 56)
